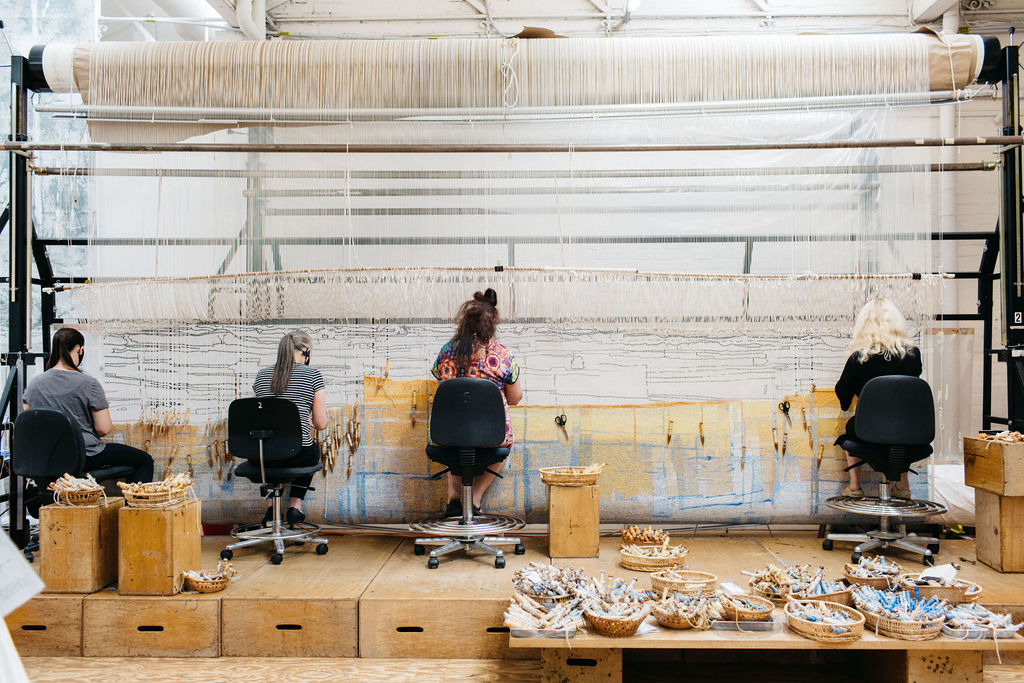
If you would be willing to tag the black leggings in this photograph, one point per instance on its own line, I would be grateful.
(118, 454)
(308, 456)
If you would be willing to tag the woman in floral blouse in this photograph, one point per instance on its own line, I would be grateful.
(474, 352)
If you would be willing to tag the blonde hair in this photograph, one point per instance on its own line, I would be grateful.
(880, 329)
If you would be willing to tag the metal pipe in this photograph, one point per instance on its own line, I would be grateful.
(525, 239)
(518, 174)
(207, 115)
(433, 148)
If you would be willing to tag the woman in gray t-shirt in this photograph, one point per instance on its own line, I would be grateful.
(63, 385)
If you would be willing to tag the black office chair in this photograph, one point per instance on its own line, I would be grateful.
(263, 431)
(895, 425)
(467, 422)
(46, 444)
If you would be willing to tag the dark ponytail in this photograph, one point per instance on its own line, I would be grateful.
(64, 339)
(476, 321)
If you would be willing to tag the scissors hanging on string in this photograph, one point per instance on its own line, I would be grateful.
(784, 408)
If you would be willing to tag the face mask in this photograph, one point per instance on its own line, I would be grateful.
(81, 355)
(306, 354)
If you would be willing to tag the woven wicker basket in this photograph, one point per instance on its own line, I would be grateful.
(670, 620)
(877, 582)
(903, 630)
(824, 633)
(207, 586)
(154, 499)
(691, 582)
(642, 563)
(843, 597)
(568, 476)
(972, 592)
(615, 627)
(954, 594)
(90, 497)
(735, 612)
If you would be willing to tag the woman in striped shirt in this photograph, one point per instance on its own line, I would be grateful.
(292, 378)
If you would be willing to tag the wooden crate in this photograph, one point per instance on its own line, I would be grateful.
(180, 626)
(155, 546)
(994, 466)
(456, 628)
(48, 626)
(574, 520)
(999, 522)
(78, 546)
(307, 606)
(289, 627)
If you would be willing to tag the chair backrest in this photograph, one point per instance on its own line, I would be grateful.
(47, 443)
(468, 412)
(275, 421)
(896, 410)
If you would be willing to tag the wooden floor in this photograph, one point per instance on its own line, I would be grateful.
(248, 669)
(371, 610)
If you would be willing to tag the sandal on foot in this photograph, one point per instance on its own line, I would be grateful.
(853, 493)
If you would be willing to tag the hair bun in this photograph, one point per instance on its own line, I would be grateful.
(489, 296)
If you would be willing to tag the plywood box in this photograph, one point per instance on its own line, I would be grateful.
(78, 546)
(994, 466)
(155, 546)
(289, 627)
(181, 626)
(48, 626)
(574, 521)
(999, 521)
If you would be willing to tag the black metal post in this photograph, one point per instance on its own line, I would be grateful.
(1012, 261)
(20, 276)
(989, 256)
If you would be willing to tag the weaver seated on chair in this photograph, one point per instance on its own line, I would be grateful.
(47, 443)
(467, 426)
(265, 432)
(895, 425)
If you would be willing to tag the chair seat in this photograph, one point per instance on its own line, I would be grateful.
(275, 475)
(877, 456)
(874, 450)
(119, 472)
(449, 457)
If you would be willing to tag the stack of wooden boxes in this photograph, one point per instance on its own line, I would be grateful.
(996, 471)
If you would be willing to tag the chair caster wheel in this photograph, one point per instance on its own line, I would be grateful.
(30, 557)
(933, 547)
(226, 554)
(432, 563)
(276, 558)
(855, 557)
(826, 544)
(928, 561)
(520, 549)
(499, 563)
(417, 549)
(321, 549)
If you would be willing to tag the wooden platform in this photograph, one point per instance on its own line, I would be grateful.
(371, 597)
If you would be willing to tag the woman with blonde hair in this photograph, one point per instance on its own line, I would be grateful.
(880, 347)
(292, 378)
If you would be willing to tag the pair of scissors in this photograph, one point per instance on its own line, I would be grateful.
(784, 407)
